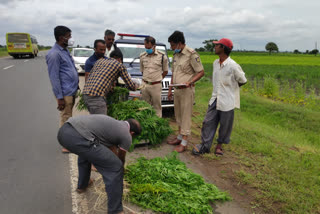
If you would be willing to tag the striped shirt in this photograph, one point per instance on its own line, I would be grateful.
(103, 75)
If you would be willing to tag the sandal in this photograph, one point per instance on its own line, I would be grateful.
(218, 151)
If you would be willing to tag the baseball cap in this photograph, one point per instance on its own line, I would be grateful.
(226, 42)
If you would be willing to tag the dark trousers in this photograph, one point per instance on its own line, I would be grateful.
(106, 162)
(210, 124)
(95, 104)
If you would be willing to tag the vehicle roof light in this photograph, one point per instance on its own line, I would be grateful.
(131, 35)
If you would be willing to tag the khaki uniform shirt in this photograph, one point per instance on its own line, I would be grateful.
(185, 65)
(225, 79)
(152, 66)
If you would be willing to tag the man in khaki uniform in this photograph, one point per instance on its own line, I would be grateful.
(186, 70)
(154, 67)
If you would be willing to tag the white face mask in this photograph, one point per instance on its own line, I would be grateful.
(70, 42)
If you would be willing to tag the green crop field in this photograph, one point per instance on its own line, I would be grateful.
(275, 139)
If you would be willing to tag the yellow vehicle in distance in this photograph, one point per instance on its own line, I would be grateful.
(21, 44)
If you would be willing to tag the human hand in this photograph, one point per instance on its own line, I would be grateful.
(169, 95)
(61, 104)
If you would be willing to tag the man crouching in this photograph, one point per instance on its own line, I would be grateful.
(102, 141)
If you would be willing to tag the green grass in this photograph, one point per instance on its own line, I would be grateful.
(282, 66)
(3, 52)
(277, 144)
(278, 147)
(265, 59)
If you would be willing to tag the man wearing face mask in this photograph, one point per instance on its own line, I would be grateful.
(154, 67)
(63, 73)
(109, 39)
(99, 51)
(186, 70)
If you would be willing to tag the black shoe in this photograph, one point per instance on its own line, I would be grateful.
(200, 149)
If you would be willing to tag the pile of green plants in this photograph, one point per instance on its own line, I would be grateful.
(118, 94)
(154, 129)
(167, 185)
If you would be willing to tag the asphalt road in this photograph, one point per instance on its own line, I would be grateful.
(34, 174)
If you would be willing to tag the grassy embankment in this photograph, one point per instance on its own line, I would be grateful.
(277, 143)
(3, 52)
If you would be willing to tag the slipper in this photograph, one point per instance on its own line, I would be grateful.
(218, 152)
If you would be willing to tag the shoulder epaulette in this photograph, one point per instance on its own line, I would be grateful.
(143, 53)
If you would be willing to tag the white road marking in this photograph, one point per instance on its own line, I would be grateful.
(8, 67)
(26, 60)
(79, 201)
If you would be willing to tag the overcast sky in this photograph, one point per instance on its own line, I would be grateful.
(250, 24)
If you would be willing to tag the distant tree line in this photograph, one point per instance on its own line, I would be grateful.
(313, 52)
(270, 47)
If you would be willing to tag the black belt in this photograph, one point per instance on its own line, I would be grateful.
(151, 83)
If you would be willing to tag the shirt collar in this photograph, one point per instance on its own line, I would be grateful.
(184, 51)
(127, 124)
(225, 62)
(95, 56)
(56, 45)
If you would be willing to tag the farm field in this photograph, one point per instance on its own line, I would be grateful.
(275, 139)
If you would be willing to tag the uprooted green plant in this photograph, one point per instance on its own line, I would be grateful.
(118, 94)
(154, 129)
(167, 185)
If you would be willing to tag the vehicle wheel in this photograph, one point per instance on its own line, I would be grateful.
(32, 55)
(15, 56)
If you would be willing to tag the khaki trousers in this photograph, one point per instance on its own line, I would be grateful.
(152, 95)
(183, 104)
(66, 113)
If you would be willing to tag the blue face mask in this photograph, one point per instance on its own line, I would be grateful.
(177, 50)
(149, 51)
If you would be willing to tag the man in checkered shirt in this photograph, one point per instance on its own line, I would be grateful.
(101, 80)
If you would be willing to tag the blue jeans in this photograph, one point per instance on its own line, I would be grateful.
(106, 162)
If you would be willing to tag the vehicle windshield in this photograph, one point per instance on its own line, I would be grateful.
(131, 51)
(82, 53)
(15, 38)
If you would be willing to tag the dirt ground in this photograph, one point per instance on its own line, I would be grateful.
(218, 171)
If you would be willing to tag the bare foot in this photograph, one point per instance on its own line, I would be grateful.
(93, 168)
(64, 150)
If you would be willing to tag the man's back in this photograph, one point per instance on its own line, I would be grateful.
(103, 75)
(106, 130)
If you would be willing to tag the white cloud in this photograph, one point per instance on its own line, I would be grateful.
(250, 24)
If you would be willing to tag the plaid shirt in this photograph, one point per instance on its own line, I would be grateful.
(103, 75)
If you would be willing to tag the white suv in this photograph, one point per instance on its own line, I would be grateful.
(80, 55)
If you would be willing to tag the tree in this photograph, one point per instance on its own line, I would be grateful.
(209, 46)
(271, 46)
(314, 51)
(200, 49)
(296, 51)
